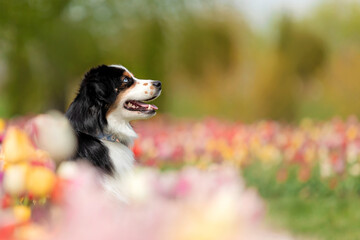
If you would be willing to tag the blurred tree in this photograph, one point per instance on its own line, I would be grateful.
(339, 23)
(304, 50)
(276, 90)
(298, 55)
(342, 82)
(216, 44)
(41, 57)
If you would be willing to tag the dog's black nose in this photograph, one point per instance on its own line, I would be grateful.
(157, 84)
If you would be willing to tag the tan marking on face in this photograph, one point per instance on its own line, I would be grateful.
(117, 101)
(145, 84)
(128, 74)
(146, 92)
(151, 87)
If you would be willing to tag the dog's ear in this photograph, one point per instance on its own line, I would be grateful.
(97, 85)
(85, 117)
(87, 112)
(96, 92)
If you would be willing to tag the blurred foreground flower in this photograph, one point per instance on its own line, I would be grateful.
(27, 178)
(54, 134)
(17, 146)
(14, 180)
(40, 182)
(176, 205)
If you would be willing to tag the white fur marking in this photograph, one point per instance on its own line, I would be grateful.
(121, 128)
(122, 159)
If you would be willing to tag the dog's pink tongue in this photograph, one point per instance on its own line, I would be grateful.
(145, 105)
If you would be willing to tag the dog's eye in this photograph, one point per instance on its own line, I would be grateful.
(125, 80)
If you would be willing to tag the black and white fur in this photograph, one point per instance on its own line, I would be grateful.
(108, 99)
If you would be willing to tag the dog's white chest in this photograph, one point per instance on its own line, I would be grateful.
(121, 157)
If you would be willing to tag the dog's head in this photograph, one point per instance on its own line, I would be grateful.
(111, 94)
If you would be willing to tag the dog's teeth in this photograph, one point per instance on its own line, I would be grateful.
(149, 107)
(130, 105)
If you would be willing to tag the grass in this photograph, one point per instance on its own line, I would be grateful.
(317, 218)
(311, 209)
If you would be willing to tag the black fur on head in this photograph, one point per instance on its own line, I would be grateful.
(98, 92)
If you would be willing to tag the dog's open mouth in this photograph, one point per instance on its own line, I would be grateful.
(140, 106)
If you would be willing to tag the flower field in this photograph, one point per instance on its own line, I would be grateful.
(318, 158)
(194, 179)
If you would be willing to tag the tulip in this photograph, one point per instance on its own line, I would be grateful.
(6, 201)
(2, 125)
(14, 179)
(40, 181)
(17, 147)
(22, 213)
(57, 195)
(55, 135)
(68, 170)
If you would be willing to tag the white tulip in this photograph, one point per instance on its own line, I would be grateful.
(55, 135)
(14, 179)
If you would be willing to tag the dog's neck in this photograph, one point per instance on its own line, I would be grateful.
(111, 138)
(122, 130)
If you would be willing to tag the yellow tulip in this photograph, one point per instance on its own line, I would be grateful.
(40, 181)
(22, 213)
(352, 133)
(17, 146)
(2, 125)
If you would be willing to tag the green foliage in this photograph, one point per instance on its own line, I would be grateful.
(318, 208)
(317, 218)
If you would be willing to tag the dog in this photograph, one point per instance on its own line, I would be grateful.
(109, 98)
